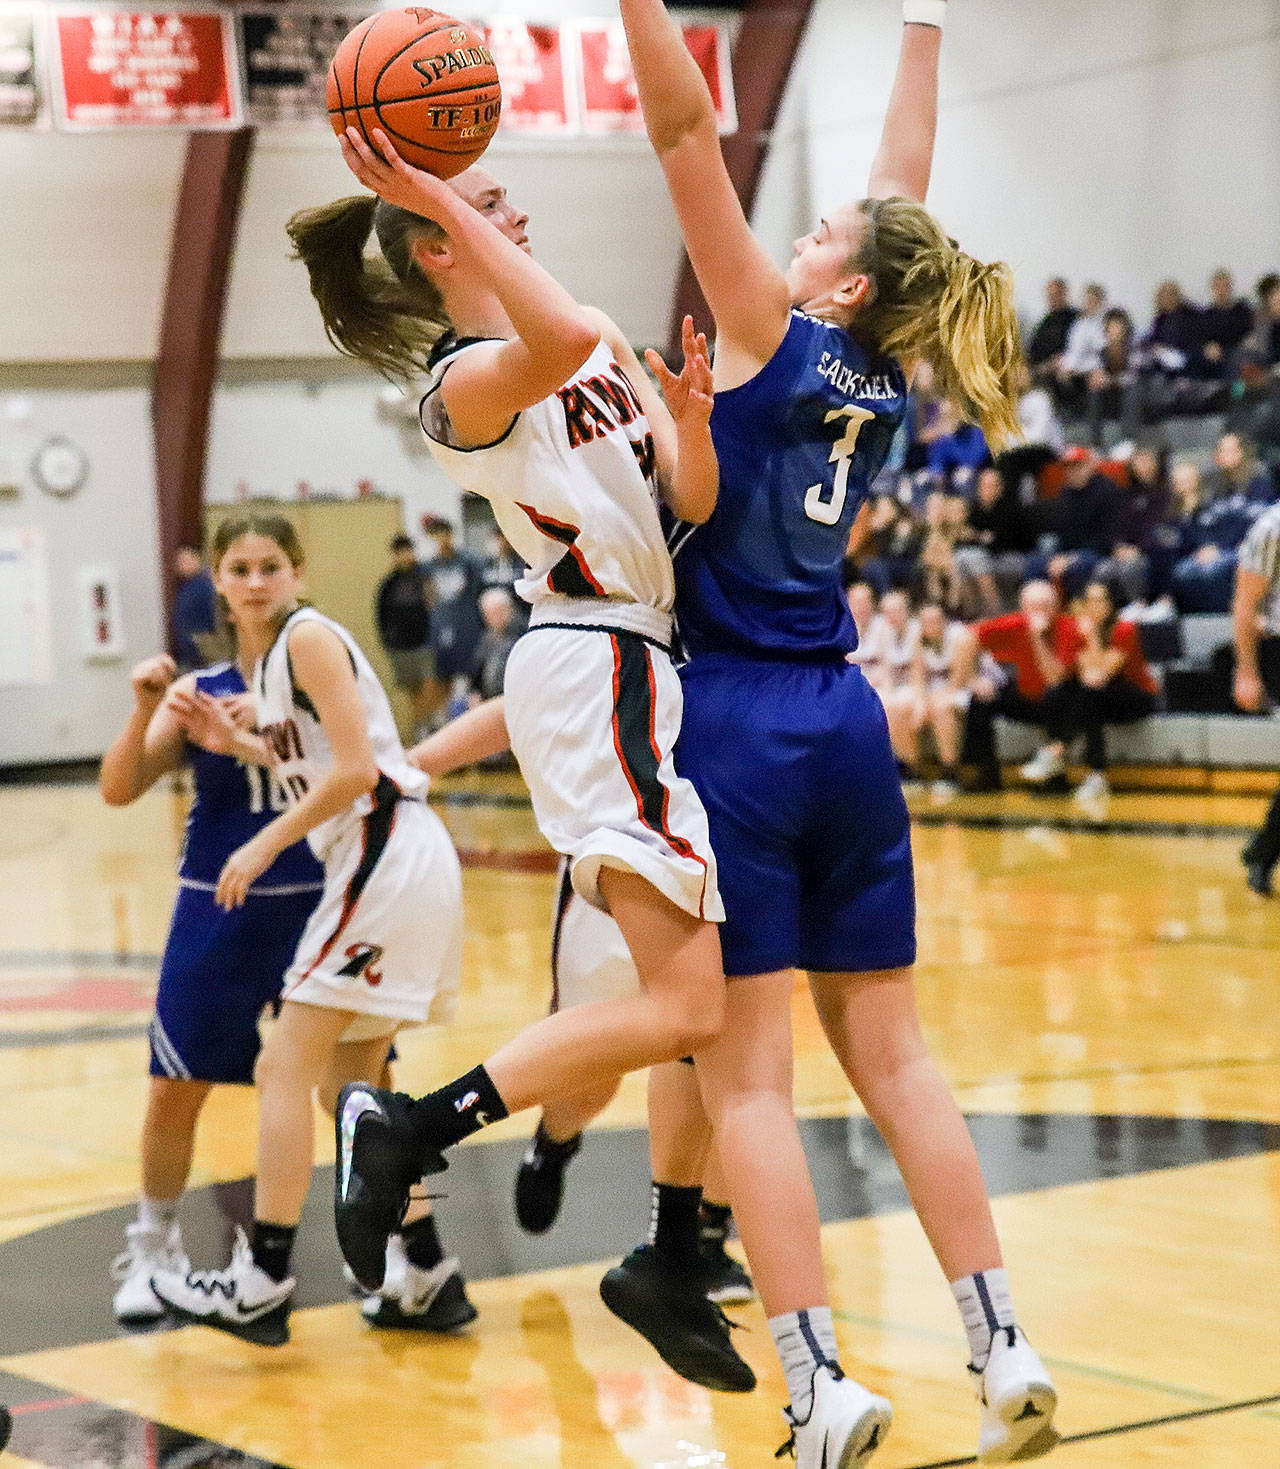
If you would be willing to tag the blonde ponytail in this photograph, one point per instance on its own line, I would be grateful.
(385, 312)
(933, 302)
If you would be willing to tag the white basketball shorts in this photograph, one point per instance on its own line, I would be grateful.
(385, 939)
(593, 715)
(589, 957)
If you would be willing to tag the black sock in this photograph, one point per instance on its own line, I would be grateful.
(673, 1223)
(272, 1244)
(422, 1243)
(553, 1148)
(443, 1118)
(714, 1223)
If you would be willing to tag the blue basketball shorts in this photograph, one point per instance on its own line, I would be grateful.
(807, 820)
(219, 972)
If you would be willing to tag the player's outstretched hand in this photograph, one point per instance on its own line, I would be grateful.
(151, 678)
(206, 721)
(383, 170)
(243, 868)
(689, 396)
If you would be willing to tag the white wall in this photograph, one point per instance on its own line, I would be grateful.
(110, 520)
(1125, 142)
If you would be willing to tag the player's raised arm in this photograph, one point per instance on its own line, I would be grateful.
(745, 290)
(904, 160)
(151, 742)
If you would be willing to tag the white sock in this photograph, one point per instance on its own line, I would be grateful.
(805, 1340)
(985, 1306)
(157, 1214)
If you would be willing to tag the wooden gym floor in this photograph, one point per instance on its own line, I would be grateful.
(1102, 992)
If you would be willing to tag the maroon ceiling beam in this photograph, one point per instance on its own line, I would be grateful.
(762, 59)
(186, 365)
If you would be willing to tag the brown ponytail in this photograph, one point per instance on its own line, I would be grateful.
(383, 311)
(934, 302)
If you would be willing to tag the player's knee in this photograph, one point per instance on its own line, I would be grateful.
(694, 1023)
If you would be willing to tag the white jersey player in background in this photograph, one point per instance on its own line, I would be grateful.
(381, 950)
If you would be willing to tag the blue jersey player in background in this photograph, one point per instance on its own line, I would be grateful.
(220, 969)
(786, 743)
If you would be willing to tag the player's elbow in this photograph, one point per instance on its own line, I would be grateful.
(115, 791)
(357, 778)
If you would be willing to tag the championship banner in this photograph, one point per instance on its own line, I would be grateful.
(607, 85)
(287, 52)
(21, 89)
(152, 68)
(531, 59)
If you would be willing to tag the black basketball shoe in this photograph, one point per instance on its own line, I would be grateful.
(378, 1162)
(668, 1306)
(540, 1181)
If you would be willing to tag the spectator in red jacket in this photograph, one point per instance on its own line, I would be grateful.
(1109, 681)
(1035, 650)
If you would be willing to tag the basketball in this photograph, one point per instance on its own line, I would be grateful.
(427, 80)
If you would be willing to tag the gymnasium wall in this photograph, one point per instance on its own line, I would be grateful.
(1125, 142)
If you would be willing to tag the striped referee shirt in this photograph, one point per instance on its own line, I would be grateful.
(1260, 553)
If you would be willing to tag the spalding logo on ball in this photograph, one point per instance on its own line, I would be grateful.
(427, 80)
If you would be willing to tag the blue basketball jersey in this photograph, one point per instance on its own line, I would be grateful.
(798, 445)
(233, 803)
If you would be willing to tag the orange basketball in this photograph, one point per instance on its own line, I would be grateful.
(427, 80)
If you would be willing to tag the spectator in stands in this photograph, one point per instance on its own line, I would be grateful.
(456, 582)
(503, 568)
(923, 419)
(1108, 682)
(992, 559)
(1256, 617)
(501, 632)
(1036, 645)
(864, 605)
(1049, 340)
(1083, 352)
(404, 628)
(1260, 367)
(1043, 439)
(1209, 533)
(891, 650)
(1172, 341)
(1224, 325)
(1083, 522)
(888, 554)
(1114, 388)
(1146, 509)
(195, 608)
(1236, 473)
(942, 676)
(959, 451)
(936, 576)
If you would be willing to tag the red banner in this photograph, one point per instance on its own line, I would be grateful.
(530, 61)
(607, 85)
(146, 69)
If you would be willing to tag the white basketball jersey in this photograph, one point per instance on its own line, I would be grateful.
(573, 486)
(287, 722)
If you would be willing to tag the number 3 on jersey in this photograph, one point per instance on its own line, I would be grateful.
(827, 512)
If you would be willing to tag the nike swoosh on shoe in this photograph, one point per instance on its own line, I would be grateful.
(357, 1104)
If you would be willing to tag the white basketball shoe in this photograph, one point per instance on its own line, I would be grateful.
(419, 1300)
(147, 1250)
(845, 1426)
(241, 1299)
(1018, 1401)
